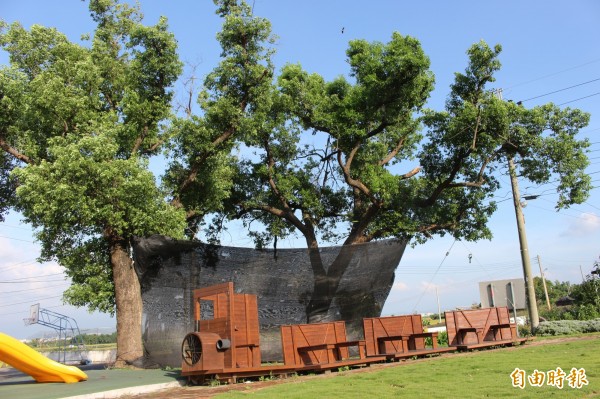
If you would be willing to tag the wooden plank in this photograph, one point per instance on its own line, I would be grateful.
(488, 344)
(213, 289)
(450, 327)
(370, 337)
(417, 327)
(287, 346)
(422, 352)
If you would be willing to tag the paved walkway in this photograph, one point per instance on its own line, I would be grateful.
(101, 383)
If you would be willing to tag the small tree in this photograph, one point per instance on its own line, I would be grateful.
(587, 295)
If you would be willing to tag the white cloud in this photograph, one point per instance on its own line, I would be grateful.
(400, 286)
(24, 281)
(428, 286)
(584, 225)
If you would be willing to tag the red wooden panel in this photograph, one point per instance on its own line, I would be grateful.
(310, 344)
(417, 328)
(450, 328)
(370, 338)
(287, 346)
(377, 329)
(492, 323)
(218, 326)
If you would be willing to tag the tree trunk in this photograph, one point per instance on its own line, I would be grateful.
(128, 298)
(326, 283)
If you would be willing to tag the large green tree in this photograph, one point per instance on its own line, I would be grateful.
(79, 124)
(378, 174)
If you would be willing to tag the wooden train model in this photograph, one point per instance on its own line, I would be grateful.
(226, 342)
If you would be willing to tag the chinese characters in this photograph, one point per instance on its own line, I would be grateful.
(557, 378)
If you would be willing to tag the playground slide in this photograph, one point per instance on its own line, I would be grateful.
(30, 361)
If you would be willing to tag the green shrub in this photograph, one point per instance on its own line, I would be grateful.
(442, 338)
(557, 313)
(587, 312)
(561, 327)
(524, 330)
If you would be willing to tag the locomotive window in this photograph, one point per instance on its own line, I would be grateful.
(207, 309)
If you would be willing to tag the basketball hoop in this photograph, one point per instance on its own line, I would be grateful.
(34, 315)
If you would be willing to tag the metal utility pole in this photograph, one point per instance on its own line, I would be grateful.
(529, 289)
(438, 303)
(544, 282)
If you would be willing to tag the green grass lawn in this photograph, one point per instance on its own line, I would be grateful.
(482, 374)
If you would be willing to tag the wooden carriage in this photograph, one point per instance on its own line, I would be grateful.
(225, 343)
(478, 328)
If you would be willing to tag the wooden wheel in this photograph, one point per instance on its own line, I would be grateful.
(191, 349)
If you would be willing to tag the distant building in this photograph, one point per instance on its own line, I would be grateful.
(510, 293)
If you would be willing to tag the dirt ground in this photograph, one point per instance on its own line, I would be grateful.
(206, 392)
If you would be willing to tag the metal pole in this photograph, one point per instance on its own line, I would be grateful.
(529, 288)
(512, 303)
(439, 308)
(544, 282)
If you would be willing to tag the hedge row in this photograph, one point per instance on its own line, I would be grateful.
(560, 327)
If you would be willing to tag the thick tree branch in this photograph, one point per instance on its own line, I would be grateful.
(378, 129)
(139, 140)
(357, 233)
(153, 147)
(480, 179)
(12, 151)
(199, 161)
(357, 184)
(272, 183)
(410, 174)
(286, 214)
(476, 131)
(447, 182)
(436, 227)
(393, 153)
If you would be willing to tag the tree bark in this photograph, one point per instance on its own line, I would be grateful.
(326, 282)
(128, 300)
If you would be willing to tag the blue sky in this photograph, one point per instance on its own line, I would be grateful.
(550, 54)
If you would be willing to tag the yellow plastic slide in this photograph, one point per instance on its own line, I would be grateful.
(30, 361)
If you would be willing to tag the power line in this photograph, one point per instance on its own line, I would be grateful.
(31, 301)
(30, 281)
(27, 278)
(434, 274)
(26, 311)
(18, 264)
(593, 206)
(558, 91)
(30, 289)
(580, 98)
(14, 227)
(16, 239)
(554, 73)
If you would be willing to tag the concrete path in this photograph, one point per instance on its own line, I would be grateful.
(102, 383)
